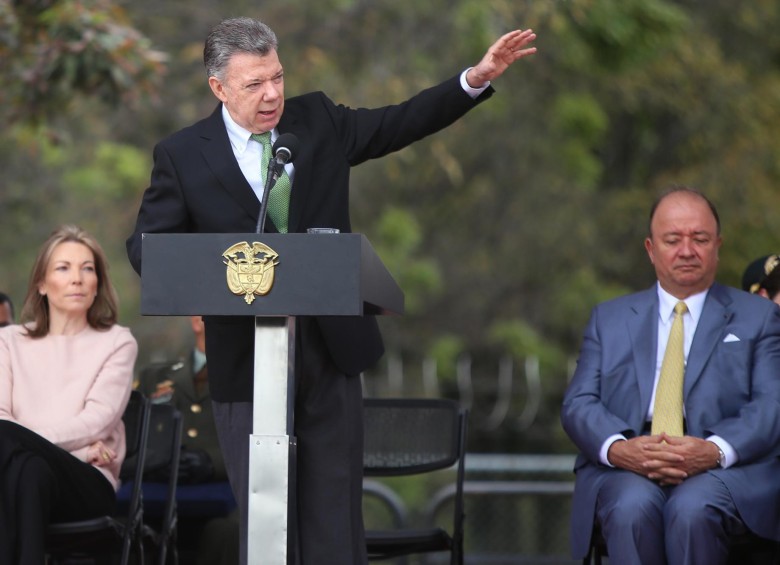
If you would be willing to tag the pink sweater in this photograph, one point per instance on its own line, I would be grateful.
(72, 390)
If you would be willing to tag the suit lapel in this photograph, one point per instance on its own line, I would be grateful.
(218, 153)
(643, 332)
(714, 317)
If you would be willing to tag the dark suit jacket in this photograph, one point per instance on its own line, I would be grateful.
(732, 389)
(197, 186)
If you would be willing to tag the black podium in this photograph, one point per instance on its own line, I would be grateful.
(274, 278)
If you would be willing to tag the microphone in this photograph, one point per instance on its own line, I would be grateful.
(284, 151)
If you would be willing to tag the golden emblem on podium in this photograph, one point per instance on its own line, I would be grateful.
(250, 269)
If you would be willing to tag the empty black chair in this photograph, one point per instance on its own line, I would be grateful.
(163, 453)
(168, 504)
(408, 436)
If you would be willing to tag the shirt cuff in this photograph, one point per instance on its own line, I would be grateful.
(473, 92)
(729, 454)
(605, 448)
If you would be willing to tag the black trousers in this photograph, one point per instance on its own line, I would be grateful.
(42, 483)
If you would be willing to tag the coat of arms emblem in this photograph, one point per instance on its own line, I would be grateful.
(250, 269)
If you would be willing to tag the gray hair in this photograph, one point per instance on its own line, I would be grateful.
(236, 35)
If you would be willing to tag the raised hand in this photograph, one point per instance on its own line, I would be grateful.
(508, 49)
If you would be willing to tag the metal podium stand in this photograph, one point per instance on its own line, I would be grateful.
(273, 277)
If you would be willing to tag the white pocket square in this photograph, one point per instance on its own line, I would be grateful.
(729, 338)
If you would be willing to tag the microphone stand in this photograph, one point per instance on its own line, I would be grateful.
(271, 175)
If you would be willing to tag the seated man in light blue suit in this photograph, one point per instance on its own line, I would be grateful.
(660, 498)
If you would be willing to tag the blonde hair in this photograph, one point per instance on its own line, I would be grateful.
(104, 310)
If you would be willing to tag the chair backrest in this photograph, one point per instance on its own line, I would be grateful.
(163, 452)
(409, 436)
(160, 449)
(136, 420)
(405, 436)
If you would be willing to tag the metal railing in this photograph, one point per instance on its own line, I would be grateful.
(504, 389)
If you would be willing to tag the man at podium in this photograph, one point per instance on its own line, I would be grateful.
(208, 178)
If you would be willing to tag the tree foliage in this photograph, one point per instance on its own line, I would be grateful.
(506, 228)
(56, 50)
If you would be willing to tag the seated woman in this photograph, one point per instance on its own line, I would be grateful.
(65, 380)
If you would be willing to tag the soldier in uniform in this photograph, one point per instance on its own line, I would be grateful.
(762, 277)
(184, 384)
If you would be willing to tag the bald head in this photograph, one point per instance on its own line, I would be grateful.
(683, 242)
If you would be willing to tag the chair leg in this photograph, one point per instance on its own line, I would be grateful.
(456, 553)
(593, 556)
(127, 551)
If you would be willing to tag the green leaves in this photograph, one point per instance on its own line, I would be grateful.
(620, 34)
(63, 49)
(398, 240)
(504, 229)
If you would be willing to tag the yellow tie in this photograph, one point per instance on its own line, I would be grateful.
(279, 198)
(668, 407)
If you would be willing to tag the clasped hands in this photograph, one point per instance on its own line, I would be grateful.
(100, 455)
(667, 460)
